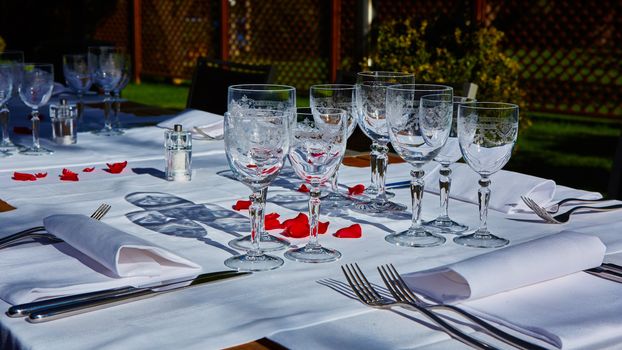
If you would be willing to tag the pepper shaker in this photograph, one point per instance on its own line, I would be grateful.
(178, 153)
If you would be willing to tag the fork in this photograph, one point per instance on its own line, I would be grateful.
(369, 296)
(554, 208)
(563, 217)
(204, 134)
(33, 232)
(402, 293)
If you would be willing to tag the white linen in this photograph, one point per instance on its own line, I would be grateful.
(192, 119)
(115, 257)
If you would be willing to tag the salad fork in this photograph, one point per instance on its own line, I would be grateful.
(554, 208)
(563, 217)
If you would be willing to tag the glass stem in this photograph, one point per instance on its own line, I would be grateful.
(373, 163)
(334, 186)
(256, 213)
(4, 123)
(416, 192)
(263, 194)
(444, 184)
(117, 108)
(107, 106)
(35, 129)
(314, 215)
(80, 106)
(483, 199)
(381, 168)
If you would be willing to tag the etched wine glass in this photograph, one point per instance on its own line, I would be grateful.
(14, 59)
(78, 76)
(270, 97)
(340, 96)
(6, 89)
(256, 144)
(419, 118)
(371, 88)
(449, 154)
(487, 132)
(107, 64)
(35, 90)
(317, 149)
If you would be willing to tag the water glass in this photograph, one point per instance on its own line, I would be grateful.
(35, 90)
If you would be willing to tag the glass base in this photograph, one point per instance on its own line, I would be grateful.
(4, 154)
(372, 192)
(444, 225)
(313, 253)
(118, 130)
(415, 237)
(108, 132)
(375, 207)
(9, 146)
(248, 262)
(31, 151)
(481, 239)
(267, 243)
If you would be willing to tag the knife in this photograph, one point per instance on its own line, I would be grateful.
(605, 273)
(50, 309)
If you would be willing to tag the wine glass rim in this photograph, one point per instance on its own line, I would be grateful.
(262, 87)
(382, 73)
(488, 105)
(270, 113)
(420, 87)
(333, 87)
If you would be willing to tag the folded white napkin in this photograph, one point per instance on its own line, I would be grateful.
(96, 256)
(192, 119)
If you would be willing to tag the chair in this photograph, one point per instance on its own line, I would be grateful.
(208, 91)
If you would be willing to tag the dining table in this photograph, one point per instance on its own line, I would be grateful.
(299, 305)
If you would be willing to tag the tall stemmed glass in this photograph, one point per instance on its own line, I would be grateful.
(107, 64)
(419, 117)
(14, 59)
(256, 144)
(340, 96)
(78, 76)
(371, 90)
(280, 98)
(318, 146)
(448, 155)
(116, 93)
(6, 88)
(35, 90)
(487, 133)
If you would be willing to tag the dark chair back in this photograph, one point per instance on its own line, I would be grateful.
(211, 79)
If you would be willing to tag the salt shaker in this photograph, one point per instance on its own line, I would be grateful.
(178, 148)
(63, 117)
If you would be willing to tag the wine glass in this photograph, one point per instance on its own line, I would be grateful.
(448, 155)
(116, 93)
(256, 144)
(419, 118)
(78, 76)
(371, 90)
(317, 149)
(14, 59)
(487, 133)
(340, 96)
(6, 88)
(107, 64)
(35, 90)
(256, 97)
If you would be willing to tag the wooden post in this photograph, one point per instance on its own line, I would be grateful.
(137, 43)
(224, 30)
(335, 44)
(479, 9)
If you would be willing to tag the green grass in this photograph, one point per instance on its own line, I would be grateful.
(158, 94)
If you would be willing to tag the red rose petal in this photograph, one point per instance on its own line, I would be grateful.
(303, 188)
(241, 205)
(356, 190)
(41, 175)
(298, 227)
(88, 170)
(68, 175)
(323, 227)
(271, 221)
(22, 130)
(353, 231)
(23, 177)
(116, 168)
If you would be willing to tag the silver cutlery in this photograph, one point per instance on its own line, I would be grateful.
(369, 296)
(607, 271)
(554, 208)
(564, 217)
(207, 136)
(35, 232)
(57, 308)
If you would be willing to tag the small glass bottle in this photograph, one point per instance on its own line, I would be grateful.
(178, 148)
(63, 117)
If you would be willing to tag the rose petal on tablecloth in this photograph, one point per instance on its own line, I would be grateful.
(116, 168)
(356, 190)
(353, 231)
(68, 175)
(241, 205)
(23, 177)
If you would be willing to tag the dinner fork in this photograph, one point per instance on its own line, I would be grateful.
(554, 208)
(208, 137)
(402, 293)
(368, 295)
(34, 232)
(563, 217)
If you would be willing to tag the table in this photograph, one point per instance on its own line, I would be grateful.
(289, 306)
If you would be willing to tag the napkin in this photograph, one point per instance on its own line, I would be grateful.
(96, 256)
(192, 119)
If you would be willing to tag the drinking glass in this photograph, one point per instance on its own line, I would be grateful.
(340, 96)
(256, 144)
(116, 93)
(371, 90)
(487, 133)
(419, 118)
(448, 155)
(6, 88)
(107, 64)
(14, 59)
(78, 76)
(317, 149)
(280, 98)
(35, 90)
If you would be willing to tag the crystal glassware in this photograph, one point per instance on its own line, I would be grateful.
(107, 63)
(340, 96)
(256, 144)
(78, 76)
(449, 154)
(6, 89)
(487, 132)
(371, 90)
(419, 118)
(14, 59)
(116, 93)
(256, 97)
(35, 90)
(317, 149)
